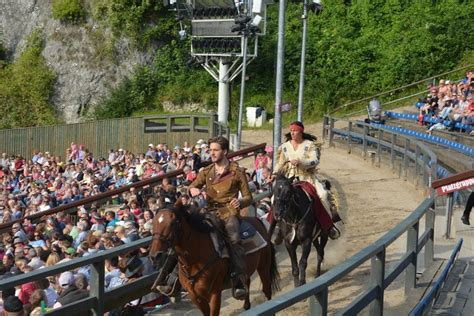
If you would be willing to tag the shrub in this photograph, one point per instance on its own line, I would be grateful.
(26, 87)
(69, 10)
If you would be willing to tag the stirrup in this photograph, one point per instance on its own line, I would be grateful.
(334, 233)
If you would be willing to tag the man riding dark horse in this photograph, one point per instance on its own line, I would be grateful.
(223, 180)
(298, 158)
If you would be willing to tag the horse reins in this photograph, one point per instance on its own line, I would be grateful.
(208, 264)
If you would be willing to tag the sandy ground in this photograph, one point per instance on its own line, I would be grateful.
(372, 201)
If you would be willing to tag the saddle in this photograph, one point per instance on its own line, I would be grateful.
(251, 239)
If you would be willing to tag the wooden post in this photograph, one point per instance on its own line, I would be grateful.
(331, 132)
(449, 214)
(405, 158)
(97, 287)
(379, 148)
(393, 139)
(417, 166)
(364, 140)
(318, 304)
(349, 137)
(429, 246)
(412, 246)
(325, 126)
(377, 276)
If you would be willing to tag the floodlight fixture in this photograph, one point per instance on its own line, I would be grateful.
(257, 6)
(256, 20)
(182, 35)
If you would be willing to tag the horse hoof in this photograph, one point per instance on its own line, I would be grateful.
(247, 306)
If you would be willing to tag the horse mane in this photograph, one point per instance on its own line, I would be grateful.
(280, 175)
(192, 216)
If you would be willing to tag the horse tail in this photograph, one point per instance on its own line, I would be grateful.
(274, 274)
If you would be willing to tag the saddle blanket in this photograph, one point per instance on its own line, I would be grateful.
(251, 243)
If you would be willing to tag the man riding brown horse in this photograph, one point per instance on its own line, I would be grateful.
(222, 181)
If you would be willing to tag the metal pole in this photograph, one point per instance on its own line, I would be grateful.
(224, 93)
(279, 80)
(304, 17)
(242, 90)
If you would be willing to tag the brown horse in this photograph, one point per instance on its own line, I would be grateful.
(201, 271)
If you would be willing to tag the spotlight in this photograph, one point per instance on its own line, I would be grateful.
(182, 35)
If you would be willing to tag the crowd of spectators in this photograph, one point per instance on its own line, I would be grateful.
(449, 103)
(43, 182)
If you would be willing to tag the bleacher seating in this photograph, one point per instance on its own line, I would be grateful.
(423, 136)
(426, 119)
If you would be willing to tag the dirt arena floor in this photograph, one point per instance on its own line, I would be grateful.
(372, 201)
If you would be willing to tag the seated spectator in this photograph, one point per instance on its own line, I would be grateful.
(50, 293)
(13, 306)
(73, 288)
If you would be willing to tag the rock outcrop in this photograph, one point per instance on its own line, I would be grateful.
(87, 61)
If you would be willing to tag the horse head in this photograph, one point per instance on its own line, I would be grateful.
(166, 231)
(282, 195)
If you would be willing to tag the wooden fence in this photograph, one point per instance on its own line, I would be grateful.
(132, 133)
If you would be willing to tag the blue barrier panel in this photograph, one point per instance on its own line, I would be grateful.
(428, 299)
(466, 150)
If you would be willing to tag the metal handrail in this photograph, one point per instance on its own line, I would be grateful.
(380, 279)
(424, 306)
(389, 92)
(319, 286)
(424, 158)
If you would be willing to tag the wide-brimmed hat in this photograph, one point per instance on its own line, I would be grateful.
(134, 265)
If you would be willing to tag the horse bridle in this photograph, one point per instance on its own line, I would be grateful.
(171, 238)
(285, 209)
(286, 199)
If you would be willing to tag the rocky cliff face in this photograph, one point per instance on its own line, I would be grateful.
(88, 63)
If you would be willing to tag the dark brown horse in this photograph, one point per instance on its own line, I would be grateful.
(201, 271)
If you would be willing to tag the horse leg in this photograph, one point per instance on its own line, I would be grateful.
(320, 243)
(266, 278)
(247, 297)
(306, 247)
(201, 303)
(294, 262)
(215, 304)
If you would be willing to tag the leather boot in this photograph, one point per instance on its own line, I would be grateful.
(167, 280)
(238, 275)
(465, 219)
